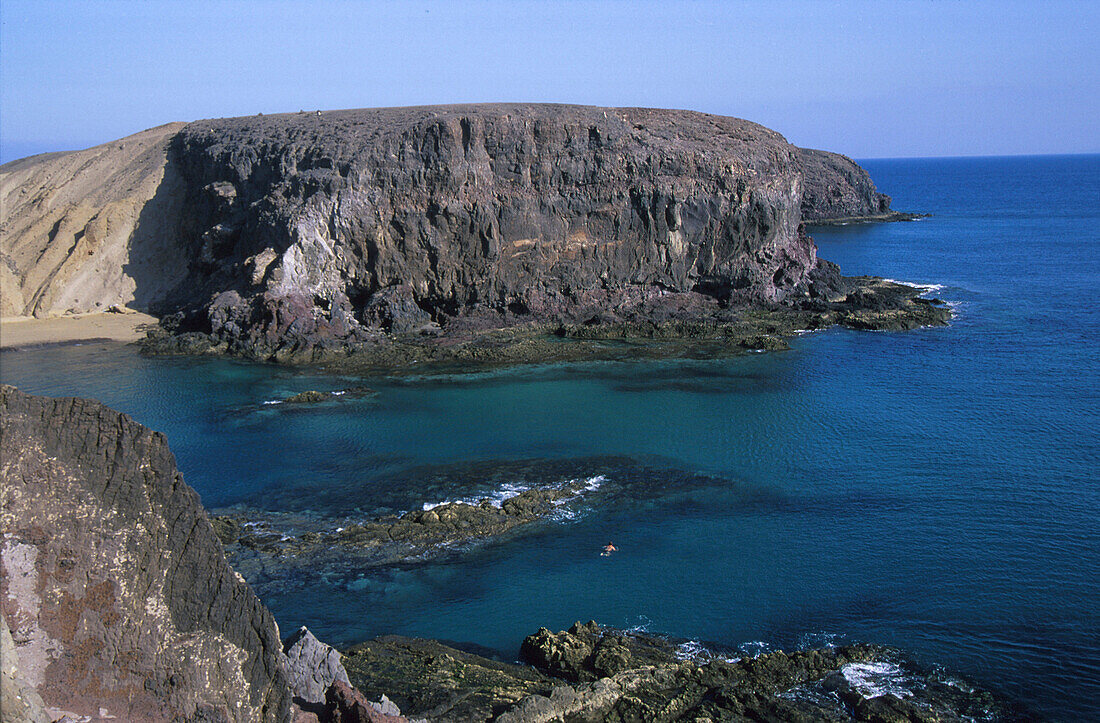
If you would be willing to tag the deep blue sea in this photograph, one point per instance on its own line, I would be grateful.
(935, 490)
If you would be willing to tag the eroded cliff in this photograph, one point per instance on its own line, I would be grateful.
(299, 236)
(85, 230)
(115, 588)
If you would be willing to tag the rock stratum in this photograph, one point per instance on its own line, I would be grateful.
(403, 231)
(114, 585)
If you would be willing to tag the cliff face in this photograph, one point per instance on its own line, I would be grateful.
(835, 187)
(113, 584)
(396, 217)
(269, 235)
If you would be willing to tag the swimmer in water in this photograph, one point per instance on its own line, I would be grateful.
(608, 549)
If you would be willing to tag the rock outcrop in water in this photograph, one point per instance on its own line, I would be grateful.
(116, 591)
(301, 237)
(257, 540)
(593, 674)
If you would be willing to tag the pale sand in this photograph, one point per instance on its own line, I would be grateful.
(21, 331)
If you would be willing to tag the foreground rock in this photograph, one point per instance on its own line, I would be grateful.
(592, 674)
(311, 667)
(116, 591)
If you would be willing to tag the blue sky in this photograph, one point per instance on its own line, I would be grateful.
(870, 79)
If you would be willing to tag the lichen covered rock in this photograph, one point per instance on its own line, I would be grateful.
(113, 584)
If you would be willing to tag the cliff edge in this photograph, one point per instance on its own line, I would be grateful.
(304, 235)
(115, 588)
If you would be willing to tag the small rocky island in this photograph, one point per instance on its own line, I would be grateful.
(117, 603)
(471, 233)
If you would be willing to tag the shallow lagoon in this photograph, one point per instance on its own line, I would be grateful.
(934, 490)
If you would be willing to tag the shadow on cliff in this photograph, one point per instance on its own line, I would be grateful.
(159, 259)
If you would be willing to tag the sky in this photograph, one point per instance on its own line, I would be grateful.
(868, 79)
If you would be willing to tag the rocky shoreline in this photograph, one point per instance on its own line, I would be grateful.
(888, 217)
(99, 527)
(666, 326)
(589, 673)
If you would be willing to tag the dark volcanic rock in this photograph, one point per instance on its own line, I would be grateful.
(385, 219)
(428, 679)
(308, 397)
(593, 674)
(114, 585)
(834, 186)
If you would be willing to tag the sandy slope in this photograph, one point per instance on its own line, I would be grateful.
(25, 331)
(83, 230)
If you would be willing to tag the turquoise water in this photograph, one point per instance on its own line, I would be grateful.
(935, 490)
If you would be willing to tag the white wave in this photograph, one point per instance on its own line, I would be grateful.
(817, 640)
(912, 285)
(692, 650)
(508, 490)
(273, 401)
(591, 484)
(339, 393)
(496, 498)
(753, 648)
(874, 679)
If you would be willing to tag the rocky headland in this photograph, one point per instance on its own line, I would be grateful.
(836, 191)
(471, 233)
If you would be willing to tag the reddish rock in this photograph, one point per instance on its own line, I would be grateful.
(348, 705)
(117, 593)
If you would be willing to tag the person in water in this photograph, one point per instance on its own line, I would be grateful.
(609, 548)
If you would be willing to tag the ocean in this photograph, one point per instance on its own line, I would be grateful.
(934, 490)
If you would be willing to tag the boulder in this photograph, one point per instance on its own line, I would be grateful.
(311, 666)
(117, 593)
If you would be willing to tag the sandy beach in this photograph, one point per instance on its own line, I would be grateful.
(22, 331)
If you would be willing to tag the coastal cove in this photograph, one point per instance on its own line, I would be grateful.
(933, 490)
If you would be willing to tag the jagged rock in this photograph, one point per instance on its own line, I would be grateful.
(586, 653)
(394, 309)
(116, 590)
(19, 702)
(311, 666)
(345, 704)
